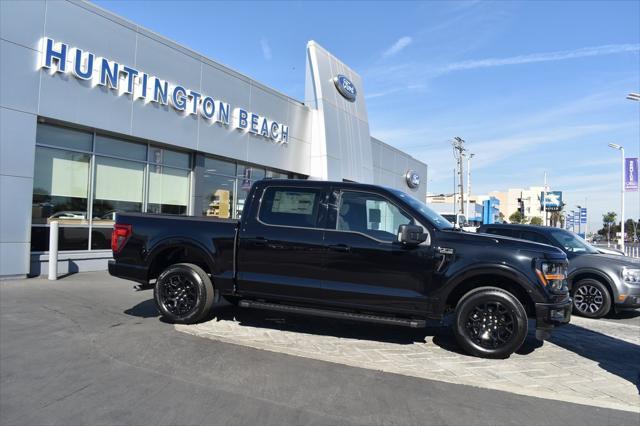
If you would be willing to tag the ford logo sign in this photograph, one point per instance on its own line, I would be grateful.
(413, 179)
(345, 87)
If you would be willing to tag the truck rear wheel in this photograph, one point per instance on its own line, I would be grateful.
(184, 293)
(490, 323)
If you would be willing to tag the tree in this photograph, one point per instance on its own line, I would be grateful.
(517, 217)
(556, 218)
(609, 219)
(630, 229)
(536, 220)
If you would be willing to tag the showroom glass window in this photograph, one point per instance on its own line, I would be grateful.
(226, 185)
(61, 187)
(82, 179)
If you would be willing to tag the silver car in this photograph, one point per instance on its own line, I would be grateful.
(599, 282)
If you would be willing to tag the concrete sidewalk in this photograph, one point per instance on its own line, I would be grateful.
(590, 362)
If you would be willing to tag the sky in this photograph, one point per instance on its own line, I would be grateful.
(530, 86)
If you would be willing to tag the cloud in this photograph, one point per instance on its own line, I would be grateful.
(266, 49)
(561, 55)
(396, 47)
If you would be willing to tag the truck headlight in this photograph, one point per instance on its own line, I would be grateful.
(631, 275)
(553, 276)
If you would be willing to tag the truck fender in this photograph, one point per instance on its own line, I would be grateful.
(504, 271)
(181, 242)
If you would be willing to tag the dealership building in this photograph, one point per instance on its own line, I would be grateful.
(99, 115)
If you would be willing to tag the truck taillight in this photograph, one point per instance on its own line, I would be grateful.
(119, 236)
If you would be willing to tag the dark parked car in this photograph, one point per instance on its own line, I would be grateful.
(351, 251)
(598, 282)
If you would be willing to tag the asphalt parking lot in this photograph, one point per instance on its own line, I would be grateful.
(89, 349)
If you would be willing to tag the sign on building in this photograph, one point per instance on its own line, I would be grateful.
(552, 201)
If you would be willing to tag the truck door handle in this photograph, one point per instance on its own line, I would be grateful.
(340, 247)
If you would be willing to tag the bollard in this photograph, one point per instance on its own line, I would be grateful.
(53, 251)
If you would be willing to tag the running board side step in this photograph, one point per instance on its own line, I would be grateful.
(412, 323)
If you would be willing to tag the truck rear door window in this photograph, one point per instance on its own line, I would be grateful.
(290, 207)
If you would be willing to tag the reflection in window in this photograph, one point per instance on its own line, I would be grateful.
(69, 238)
(60, 187)
(168, 157)
(272, 174)
(120, 148)
(219, 167)
(370, 214)
(168, 190)
(218, 196)
(63, 137)
(118, 187)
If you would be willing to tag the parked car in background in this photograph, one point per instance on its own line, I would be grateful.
(598, 282)
(609, 250)
(350, 251)
(460, 221)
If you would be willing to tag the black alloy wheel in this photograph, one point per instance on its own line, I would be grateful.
(490, 323)
(184, 293)
(179, 293)
(591, 299)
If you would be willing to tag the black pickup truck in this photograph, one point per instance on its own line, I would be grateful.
(351, 251)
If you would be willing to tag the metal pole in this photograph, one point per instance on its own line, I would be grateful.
(468, 183)
(544, 199)
(455, 196)
(586, 225)
(622, 202)
(53, 251)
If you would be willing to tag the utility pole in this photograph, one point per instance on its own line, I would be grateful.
(458, 153)
(469, 157)
(455, 196)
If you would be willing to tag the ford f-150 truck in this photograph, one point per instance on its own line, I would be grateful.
(351, 251)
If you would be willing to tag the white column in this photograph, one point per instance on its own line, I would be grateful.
(53, 251)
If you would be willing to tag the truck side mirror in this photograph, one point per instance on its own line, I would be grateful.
(411, 235)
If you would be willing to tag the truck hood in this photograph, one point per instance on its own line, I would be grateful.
(507, 243)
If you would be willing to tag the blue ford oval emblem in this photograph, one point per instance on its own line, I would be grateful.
(413, 179)
(345, 87)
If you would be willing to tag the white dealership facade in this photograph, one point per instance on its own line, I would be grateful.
(99, 115)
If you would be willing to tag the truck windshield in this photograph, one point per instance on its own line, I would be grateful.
(431, 216)
(571, 242)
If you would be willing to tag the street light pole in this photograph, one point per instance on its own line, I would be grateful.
(621, 148)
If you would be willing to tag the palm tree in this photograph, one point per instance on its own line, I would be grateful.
(608, 219)
(555, 218)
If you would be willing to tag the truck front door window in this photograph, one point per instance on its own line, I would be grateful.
(370, 214)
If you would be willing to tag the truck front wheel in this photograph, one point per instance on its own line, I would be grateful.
(490, 323)
(184, 293)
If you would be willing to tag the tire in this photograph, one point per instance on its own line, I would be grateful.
(184, 293)
(591, 298)
(483, 333)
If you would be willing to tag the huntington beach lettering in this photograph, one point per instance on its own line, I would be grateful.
(84, 65)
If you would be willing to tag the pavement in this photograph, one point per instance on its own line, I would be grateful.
(89, 349)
